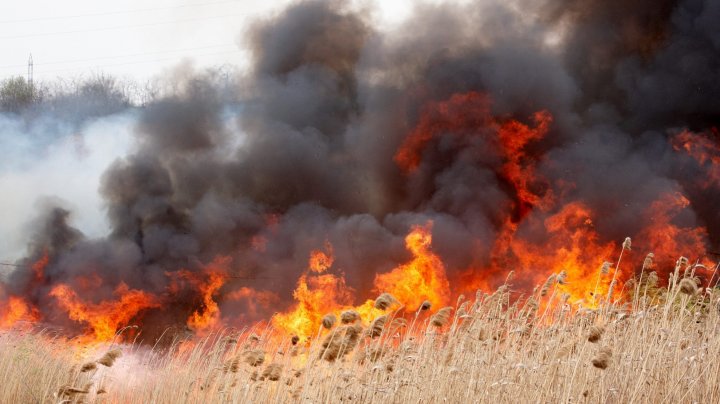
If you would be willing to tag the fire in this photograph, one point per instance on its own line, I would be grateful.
(423, 278)
(539, 236)
(316, 294)
(468, 115)
(207, 283)
(666, 239)
(102, 320)
(461, 114)
(321, 261)
(256, 301)
(15, 309)
(38, 267)
(319, 293)
(514, 137)
(704, 150)
(538, 231)
(571, 245)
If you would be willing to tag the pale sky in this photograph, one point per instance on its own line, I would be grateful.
(133, 38)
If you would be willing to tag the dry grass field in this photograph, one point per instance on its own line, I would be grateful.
(658, 345)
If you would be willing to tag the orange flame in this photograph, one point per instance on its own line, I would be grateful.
(423, 278)
(705, 151)
(105, 318)
(316, 294)
(321, 261)
(38, 267)
(207, 283)
(16, 309)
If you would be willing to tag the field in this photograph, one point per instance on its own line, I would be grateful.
(660, 344)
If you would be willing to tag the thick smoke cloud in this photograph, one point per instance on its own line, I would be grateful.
(328, 102)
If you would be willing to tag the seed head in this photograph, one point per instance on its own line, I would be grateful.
(377, 326)
(627, 243)
(595, 333)
(109, 358)
(688, 286)
(88, 367)
(442, 317)
(652, 279)
(425, 305)
(648, 260)
(255, 357)
(349, 316)
(272, 372)
(329, 321)
(546, 285)
(603, 357)
(384, 301)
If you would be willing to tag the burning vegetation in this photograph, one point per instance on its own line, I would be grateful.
(421, 167)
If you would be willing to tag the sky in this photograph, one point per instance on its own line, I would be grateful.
(137, 39)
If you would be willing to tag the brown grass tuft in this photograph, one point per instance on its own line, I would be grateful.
(442, 317)
(255, 357)
(349, 316)
(231, 365)
(329, 321)
(340, 342)
(602, 359)
(272, 372)
(688, 286)
(385, 301)
(69, 391)
(595, 333)
(109, 358)
(88, 367)
(377, 326)
(546, 286)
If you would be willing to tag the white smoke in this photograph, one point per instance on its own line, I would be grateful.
(50, 160)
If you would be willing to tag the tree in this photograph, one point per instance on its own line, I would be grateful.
(16, 94)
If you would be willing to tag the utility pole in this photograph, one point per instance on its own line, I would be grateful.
(30, 72)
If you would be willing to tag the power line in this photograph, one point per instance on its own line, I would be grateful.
(67, 61)
(134, 62)
(120, 27)
(139, 10)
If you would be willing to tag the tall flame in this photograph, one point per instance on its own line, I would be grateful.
(423, 278)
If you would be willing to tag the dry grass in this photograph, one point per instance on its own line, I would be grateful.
(666, 348)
